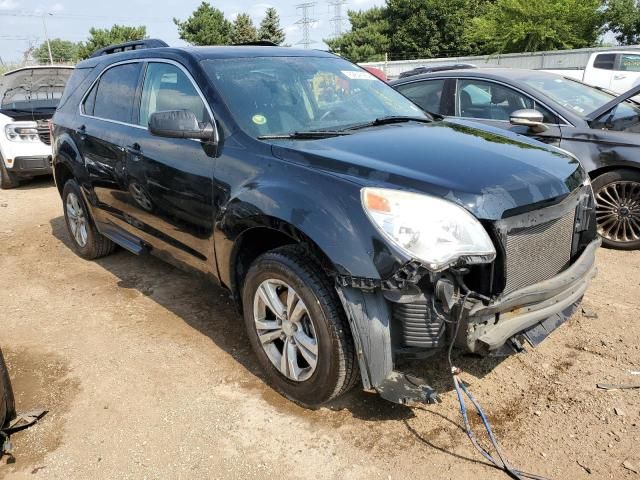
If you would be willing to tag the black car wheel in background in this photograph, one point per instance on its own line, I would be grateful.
(618, 213)
(7, 403)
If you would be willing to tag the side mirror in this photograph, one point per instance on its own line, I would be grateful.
(529, 118)
(179, 124)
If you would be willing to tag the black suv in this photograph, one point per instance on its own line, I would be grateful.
(352, 228)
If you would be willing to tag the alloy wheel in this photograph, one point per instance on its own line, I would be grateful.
(285, 330)
(77, 220)
(618, 211)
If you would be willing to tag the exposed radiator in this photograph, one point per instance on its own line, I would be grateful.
(538, 253)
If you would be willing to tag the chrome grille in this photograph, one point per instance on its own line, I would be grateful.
(537, 253)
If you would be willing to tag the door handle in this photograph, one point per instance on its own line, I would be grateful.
(619, 77)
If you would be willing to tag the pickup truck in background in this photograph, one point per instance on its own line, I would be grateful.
(618, 71)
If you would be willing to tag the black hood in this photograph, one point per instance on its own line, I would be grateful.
(487, 171)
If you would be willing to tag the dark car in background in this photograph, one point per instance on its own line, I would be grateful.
(352, 229)
(598, 127)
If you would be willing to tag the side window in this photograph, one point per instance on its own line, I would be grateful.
(427, 95)
(166, 87)
(116, 92)
(491, 101)
(605, 61)
(630, 63)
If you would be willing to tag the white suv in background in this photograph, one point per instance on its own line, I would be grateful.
(28, 99)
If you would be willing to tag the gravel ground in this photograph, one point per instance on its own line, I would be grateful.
(146, 373)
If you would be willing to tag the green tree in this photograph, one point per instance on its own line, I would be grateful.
(243, 30)
(623, 19)
(526, 26)
(430, 28)
(368, 39)
(206, 26)
(103, 37)
(62, 51)
(270, 27)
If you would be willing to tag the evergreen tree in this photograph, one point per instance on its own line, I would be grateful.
(243, 30)
(270, 27)
(206, 26)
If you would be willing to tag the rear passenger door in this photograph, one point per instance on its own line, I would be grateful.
(169, 181)
(106, 114)
(493, 103)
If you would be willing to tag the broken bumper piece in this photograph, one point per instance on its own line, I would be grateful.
(534, 311)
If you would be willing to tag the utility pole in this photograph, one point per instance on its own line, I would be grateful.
(46, 37)
(306, 21)
(338, 19)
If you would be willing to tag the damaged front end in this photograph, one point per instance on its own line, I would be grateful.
(544, 263)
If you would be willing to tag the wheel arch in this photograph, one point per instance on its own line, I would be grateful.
(265, 234)
(593, 174)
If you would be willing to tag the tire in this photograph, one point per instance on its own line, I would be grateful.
(7, 402)
(336, 368)
(87, 242)
(618, 197)
(7, 179)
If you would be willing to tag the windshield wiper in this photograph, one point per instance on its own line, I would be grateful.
(388, 121)
(310, 135)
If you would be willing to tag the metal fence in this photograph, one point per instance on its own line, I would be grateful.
(558, 59)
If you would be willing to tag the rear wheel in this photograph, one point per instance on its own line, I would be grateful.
(7, 179)
(618, 210)
(297, 327)
(85, 238)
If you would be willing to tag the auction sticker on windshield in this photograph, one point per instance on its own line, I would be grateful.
(357, 75)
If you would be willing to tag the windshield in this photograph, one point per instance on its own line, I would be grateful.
(571, 94)
(33, 89)
(282, 95)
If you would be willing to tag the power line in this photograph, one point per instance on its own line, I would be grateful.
(306, 21)
(338, 20)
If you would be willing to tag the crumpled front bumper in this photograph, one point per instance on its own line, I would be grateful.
(489, 327)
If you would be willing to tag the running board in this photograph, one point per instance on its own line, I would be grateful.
(124, 239)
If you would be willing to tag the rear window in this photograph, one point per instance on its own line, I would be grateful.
(114, 94)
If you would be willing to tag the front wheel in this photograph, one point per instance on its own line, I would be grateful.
(297, 327)
(618, 209)
(7, 179)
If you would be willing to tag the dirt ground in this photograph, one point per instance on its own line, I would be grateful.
(146, 373)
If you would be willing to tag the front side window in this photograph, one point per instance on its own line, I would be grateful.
(166, 87)
(115, 93)
(491, 101)
(630, 63)
(427, 94)
(282, 95)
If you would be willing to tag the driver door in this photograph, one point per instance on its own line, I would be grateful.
(493, 103)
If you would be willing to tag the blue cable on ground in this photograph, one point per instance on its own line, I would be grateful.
(500, 463)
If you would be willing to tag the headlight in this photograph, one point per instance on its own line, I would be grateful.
(430, 229)
(22, 132)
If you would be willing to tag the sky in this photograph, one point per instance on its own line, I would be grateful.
(21, 21)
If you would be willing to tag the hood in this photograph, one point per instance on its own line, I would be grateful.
(29, 90)
(486, 170)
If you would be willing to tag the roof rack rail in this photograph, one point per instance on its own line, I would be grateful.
(257, 43)
(128, 46)
(436, 68)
